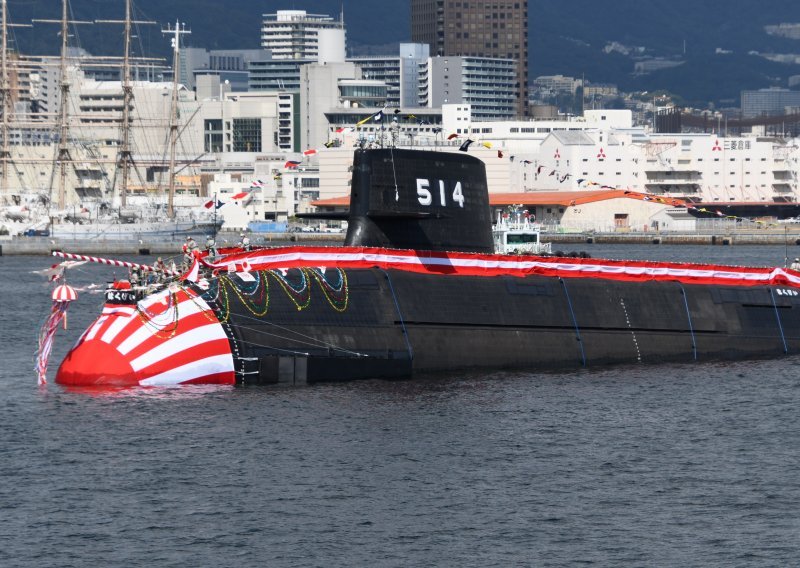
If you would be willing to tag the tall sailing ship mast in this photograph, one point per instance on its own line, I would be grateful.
(81, 155)
(178, 31)
(6, 98)
(63, 156)
(124, 157)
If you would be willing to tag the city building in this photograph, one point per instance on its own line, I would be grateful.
(485, 84)
(230, 65)
(404, 74)
(275, 74)
(477, 28)
(294, 34)
(766, 102)
(549, 85)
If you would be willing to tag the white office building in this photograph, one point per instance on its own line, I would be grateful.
(294, 34)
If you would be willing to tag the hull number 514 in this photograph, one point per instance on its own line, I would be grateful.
(439, 192)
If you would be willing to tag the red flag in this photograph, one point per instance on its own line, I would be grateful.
(452, 136)
(309, 152)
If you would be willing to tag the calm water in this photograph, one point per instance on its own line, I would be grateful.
(671, 465)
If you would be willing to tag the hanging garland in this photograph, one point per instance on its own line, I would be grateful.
(254, 296)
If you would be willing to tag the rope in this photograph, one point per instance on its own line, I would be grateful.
(400, 315)
(574, 321)
(689, 316)
(778, 317)
(394, 174)
(311, 341)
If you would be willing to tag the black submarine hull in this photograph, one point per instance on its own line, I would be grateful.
(401, 324)
(417, 288)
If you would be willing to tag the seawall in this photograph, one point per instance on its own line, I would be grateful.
(169, 248)
(161, 247)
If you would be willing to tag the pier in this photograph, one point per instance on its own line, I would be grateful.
(786, 236)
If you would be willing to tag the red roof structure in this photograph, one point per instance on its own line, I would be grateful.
(540, 198)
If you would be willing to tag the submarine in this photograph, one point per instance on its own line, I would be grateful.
(417, 288)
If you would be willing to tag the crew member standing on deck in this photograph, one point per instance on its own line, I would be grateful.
(159, 267)
(188, 252)
(245, 242)
(211, 247)
(796, 264)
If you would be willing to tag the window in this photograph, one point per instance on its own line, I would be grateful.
(247, 135)
(212, 135)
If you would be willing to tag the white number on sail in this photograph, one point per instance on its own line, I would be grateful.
(423, 193)
(458, 196)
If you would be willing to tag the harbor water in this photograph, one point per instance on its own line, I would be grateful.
(690, 464)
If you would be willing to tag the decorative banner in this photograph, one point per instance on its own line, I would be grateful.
(62, 296)
(168, 338)
(469, 264)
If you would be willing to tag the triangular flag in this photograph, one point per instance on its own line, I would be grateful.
(465, 146)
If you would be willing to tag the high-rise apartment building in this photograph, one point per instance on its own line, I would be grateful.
(294, 34)
(478, 28)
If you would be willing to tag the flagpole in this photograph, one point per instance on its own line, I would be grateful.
(215, 215)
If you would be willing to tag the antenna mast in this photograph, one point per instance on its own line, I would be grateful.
(124, 156)
(6, 98)
(5, 93)
(173, 120)
(63, 116)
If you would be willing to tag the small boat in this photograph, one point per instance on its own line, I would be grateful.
(516, 233)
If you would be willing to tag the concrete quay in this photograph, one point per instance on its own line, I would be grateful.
(631, 238)
(169, 248)
(161, 247)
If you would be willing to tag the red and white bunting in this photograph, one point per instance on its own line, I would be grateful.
(111, 262)
(467, 264)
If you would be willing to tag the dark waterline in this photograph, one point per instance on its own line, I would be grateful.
(670, 465)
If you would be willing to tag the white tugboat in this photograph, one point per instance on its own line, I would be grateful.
(516, 233)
